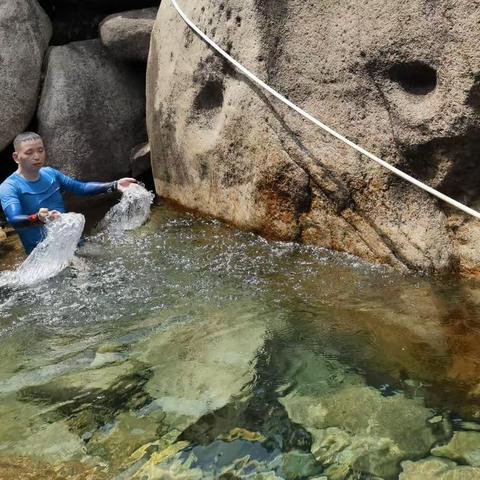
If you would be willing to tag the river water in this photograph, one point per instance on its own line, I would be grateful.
(189, 350)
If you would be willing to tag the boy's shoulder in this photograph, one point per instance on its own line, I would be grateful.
(48, 170)
(9, 184)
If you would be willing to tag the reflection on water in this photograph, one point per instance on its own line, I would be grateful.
(187, 349)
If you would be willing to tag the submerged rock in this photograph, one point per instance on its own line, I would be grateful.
(91, 139)
(356, 429)
(223, 147)
(126, 35)
(437, 469)
(226, 461)
(298, 465)
(26, 31)
(159, 467)
(53, 444)
(199, 368)
(123, 438)
(464, 447)
(12, 468)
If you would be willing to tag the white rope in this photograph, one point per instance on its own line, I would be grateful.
(337, 135)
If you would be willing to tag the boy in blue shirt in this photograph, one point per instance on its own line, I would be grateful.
(32, 194)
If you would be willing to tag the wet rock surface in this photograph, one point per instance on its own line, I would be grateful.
(127, 35)
(26, 31)
(220, 146)
(91, 140)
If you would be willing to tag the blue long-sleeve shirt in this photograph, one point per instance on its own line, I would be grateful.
(21, 198)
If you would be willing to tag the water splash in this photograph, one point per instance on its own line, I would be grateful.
(57, 251)
(50, 256)
(131, 212)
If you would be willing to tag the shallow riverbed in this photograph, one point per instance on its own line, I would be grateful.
(187, 349)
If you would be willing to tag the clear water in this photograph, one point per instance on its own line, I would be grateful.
(187, 349)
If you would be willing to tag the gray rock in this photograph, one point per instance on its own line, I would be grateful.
(390, 79)
(127, 35)
(53, 443)
(92, 111)
(25, 32)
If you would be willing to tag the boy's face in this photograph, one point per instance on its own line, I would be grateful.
(30, 155)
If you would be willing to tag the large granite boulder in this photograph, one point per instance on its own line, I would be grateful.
(127, 35)
(402, 82)
(92, 111)
(25, 32)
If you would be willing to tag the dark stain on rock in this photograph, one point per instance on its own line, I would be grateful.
(272, 16)
(473, 99)
(210, 96)
(448, 164)
(416, 77)
(203, 170)
(170, 167)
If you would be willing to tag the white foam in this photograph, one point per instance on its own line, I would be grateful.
(51, 255)
(131, 212)
(57, 251)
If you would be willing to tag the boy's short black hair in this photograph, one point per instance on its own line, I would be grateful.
(25, 137)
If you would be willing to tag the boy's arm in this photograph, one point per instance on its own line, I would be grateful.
(13, 209)
(19, 221)
(75, 187)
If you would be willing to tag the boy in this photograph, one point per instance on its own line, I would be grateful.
(32, 194)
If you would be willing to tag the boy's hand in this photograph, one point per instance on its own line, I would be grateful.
(44, 214)
(125, 183)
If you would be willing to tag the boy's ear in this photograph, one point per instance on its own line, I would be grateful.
(15, 156)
